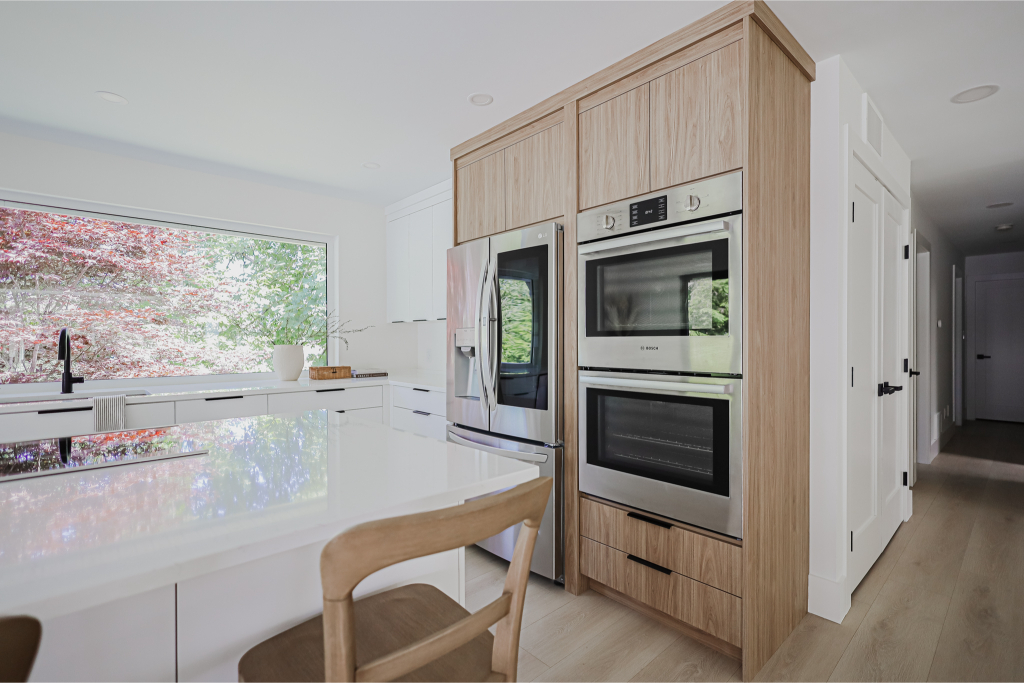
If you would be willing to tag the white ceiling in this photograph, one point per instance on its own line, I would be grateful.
(302, 94)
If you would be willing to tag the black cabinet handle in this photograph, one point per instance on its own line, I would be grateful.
(63, 410)
(656, 567)
(223, 398)
(982, 356)
(324, 391)
(419, 412)
(423, 390)
(649, 520)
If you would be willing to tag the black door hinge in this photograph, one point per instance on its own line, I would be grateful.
(906, 365)
(906, 251)
(853, 212)
(851, 541)
(904, 478)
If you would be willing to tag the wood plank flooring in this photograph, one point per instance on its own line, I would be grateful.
(944, 602)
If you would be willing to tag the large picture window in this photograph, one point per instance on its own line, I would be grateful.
(152, 301)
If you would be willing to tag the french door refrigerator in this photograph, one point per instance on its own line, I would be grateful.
(504, 364)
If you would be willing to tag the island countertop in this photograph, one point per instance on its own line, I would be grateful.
(269, 484)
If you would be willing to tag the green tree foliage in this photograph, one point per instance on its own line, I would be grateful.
(516, 321)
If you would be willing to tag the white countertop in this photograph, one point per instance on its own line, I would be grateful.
(269, 484)
(176, 392)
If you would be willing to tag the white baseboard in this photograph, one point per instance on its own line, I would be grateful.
(933, 450)
(827, 599)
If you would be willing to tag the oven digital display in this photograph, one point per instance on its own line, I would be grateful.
(651, 210)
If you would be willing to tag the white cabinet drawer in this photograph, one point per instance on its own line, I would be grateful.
(419, 422)
(219, 408)
(366, 414)
(149, 415)
(420, 399)
(349, 398)
(45, 423)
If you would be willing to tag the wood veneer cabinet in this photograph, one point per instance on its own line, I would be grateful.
(480, 203)
(728, 92)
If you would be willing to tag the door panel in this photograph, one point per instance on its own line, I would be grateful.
(533, 179)
(440, 243)
(723, 144)
(614, 153)
(679, 102)
(420, 279)
(481, 197)
(465, 399)
(891, 455)
(398, 269)
(1000, 335)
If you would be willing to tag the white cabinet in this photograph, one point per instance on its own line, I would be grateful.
(419, 422)
(419, 234)
(398, 269)
(442, 240)
(148, 415)
(349, 398)
(220, 408)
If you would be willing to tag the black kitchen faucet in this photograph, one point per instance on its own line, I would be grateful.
(67, 380)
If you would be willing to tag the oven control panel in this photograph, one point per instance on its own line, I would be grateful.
(697, 201)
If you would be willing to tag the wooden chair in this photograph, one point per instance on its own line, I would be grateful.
(19, 643)
(416, 632)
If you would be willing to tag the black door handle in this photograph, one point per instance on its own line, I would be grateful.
(914, 373)
(982, 356)
(884, 389)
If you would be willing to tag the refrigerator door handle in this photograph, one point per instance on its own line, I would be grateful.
(494, 359)
(483, 335)
(516, 455)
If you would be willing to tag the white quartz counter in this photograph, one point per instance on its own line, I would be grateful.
(269, 484)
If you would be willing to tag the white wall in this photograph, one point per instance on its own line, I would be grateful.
(66, 172)
(981, 268)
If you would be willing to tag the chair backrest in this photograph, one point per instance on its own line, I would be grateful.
(19, 642)
(355, 554)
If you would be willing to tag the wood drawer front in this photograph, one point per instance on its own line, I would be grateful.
(220, 408)
(699, 557)
(349, 398)
(614, 527)
(418, 422)
(716, 612)
(613, 568)
(419, 399)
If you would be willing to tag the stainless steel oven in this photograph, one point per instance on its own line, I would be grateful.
(667, 444)
(660, 280)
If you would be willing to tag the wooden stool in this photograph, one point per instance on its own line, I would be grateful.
(411, 633)
(19, 643)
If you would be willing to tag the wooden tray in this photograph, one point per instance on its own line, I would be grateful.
(330, 372)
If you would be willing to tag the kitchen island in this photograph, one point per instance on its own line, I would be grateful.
(170, 569)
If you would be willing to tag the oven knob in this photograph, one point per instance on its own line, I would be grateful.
(692, 203)
(607, 222)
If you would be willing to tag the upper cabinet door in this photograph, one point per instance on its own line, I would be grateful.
(697, 119)
(398, 269)
(724, 141)
(480, 188)
(534, 185)
(421, 235)
(441, 242)
(614, 156)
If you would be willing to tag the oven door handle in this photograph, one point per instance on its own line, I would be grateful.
(653, 236)
(660, 386)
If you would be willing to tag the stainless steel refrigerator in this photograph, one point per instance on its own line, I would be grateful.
(505, 364)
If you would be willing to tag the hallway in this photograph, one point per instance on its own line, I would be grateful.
(987, 439)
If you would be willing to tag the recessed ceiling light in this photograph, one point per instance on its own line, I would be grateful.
(373, 166)
(974, 94)
(1000, 205)
(480, 99)
(111, 97)
(1004, 226)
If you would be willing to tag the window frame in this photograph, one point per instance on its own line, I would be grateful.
(86, 209)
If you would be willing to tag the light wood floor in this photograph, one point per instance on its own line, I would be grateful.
(945, 601)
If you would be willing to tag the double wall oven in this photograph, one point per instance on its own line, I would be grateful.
(660, 352)
(504, 364)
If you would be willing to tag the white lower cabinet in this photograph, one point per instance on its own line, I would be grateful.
(220, 408)
(419, 422)
(375, 415)
(131, 639)
(149, 415)
(418, 398)
(51, 423)
(349, 398)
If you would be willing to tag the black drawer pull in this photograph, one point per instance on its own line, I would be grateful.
(339, 411)
(419, 320)
(223, 398)
(324, 391)
(417, 389)
(650, 520)
(419, 412)
(640, 560)
(63, 410)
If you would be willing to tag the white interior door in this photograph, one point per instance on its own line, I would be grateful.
(923, 343)
(892, 454)
(913, 372)
(999, 367)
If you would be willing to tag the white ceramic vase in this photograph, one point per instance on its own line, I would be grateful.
(289, 360)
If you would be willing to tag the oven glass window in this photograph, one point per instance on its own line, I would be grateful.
(676, 291)
(675, 439)
(523, 333)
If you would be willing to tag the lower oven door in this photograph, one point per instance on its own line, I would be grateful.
(666, 444)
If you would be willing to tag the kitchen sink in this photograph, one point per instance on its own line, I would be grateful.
(33, 397)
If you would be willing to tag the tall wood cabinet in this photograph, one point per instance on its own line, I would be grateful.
(729, 92)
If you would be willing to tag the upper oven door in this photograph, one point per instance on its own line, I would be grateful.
(669, 299)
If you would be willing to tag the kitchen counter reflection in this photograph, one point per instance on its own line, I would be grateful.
(269, 484)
